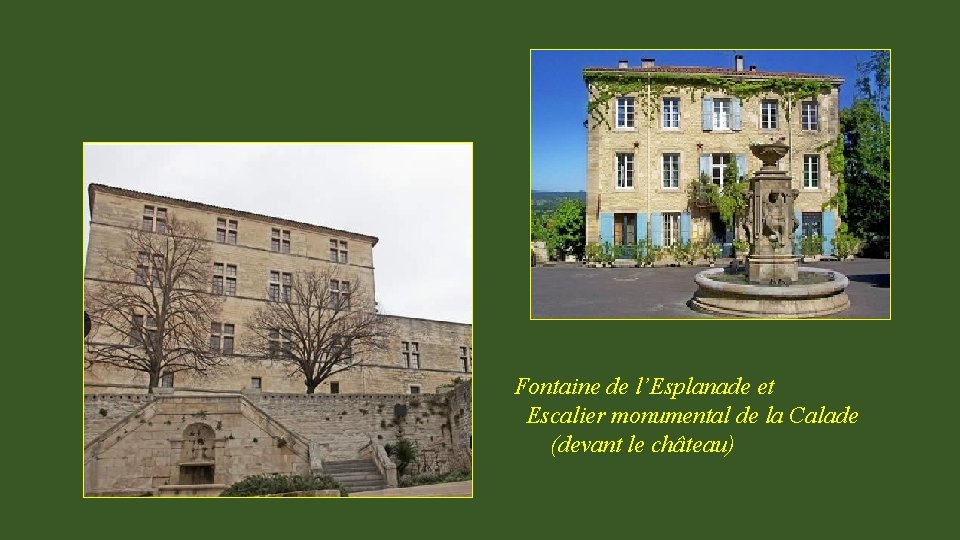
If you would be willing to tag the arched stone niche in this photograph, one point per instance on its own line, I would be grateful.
(197, 455)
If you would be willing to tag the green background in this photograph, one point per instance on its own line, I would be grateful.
(282, 72)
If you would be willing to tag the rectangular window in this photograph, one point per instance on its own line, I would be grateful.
(719, 163)
(768, 114)
(280, 240)
(721, 114)
(221, 337)
(625, 112)
(136, 330)
(256, 383)
(143, 329)
(334, 387)
(410, 354)
(671, 228)
(166, 380)
(671, 113)
(811, 171)
(671, 170)
(225, 279)
(338, 251)
(465, 359)
(339, 295)
(414, 389)
(810, 223)
(279, 342)
(808, 116)
(273, 292)
(624, 171)
(227, 231)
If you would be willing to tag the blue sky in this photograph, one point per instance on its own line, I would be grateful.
(559, 97)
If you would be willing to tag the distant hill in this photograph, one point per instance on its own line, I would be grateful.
(547, 201)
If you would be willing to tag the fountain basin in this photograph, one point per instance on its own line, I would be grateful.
(793, 301)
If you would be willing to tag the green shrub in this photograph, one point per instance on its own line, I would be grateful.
(403, 453)
(269, 484)
(811, 245)
(845, 243)
(431, 478)
(647, 253)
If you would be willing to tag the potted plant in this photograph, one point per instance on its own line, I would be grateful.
(810, 247)
(712, 251)
(741, 248)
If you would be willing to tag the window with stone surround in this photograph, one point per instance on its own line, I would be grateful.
(142, 328)
(339, 295)
(671, 113)
(338, 251)
(721, 113)
(227, 231)
(410, 354)
(718, 162)
(811, 171)
(671, 228)
(154, 219)
(225, 279)
(465, 358)
(256, 383)
(279, 287)
(625, 112)
(166, 380)
(334, 387)
(279, 342)
(221, 337)
(769, 114)
(809, 116)
(671, 171)
(414, 388)
(624, 170)
(151, 267)
(280, 240)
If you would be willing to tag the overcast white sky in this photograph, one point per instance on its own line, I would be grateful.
(416, 198)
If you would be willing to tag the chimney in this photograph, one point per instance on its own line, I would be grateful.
(646, 62)
(623, 64)
(753, 68)
(739, 60)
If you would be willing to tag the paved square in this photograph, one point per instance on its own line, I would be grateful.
(572, 291)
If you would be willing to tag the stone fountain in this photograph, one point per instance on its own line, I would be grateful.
(773, 285)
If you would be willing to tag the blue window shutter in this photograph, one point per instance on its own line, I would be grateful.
(685, 227)
(707, 114)
(705, 164)
(828, 228)
(798, 233)
(742, 165)
(735, 114)
(606, 228)
(657, 228)
(641, 227)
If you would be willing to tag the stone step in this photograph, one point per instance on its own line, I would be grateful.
(364, 487)
(350, 470)
(355, 474)
(357, 477)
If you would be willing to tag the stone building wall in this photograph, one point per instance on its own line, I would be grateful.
(649, 142)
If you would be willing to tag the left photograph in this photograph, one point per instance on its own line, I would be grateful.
(274, 319)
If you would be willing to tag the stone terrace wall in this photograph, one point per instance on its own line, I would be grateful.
(116, 406)
(461, 408)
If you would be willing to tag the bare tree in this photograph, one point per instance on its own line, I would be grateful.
(151, 311)
(319, 323)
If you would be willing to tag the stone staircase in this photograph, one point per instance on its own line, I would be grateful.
(355, 474)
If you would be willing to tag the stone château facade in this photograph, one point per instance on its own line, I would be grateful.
(653, 131)
(196, 435)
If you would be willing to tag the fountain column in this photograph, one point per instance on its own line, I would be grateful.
(772, 225)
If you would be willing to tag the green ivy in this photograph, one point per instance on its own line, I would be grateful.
(649, 88)
(836, 164)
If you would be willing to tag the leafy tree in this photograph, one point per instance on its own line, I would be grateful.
(150, 308)
(873, 80)
(867, 155)
(568, 224)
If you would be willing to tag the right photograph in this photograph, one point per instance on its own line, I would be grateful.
(710, 184)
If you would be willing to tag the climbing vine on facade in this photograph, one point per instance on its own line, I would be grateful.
(648, 88)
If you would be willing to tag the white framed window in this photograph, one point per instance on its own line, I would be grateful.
(671, 171)
(671, 113)
(624, 171)
(671, 228)
(338, 251)
(224, 279)
(410, 354)
(154, 219)
(221, 337)
(769, 117)
(721, 114)
(719, 162)
(809, 117)
(625, 112)
(811, 171)
(227, 231)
